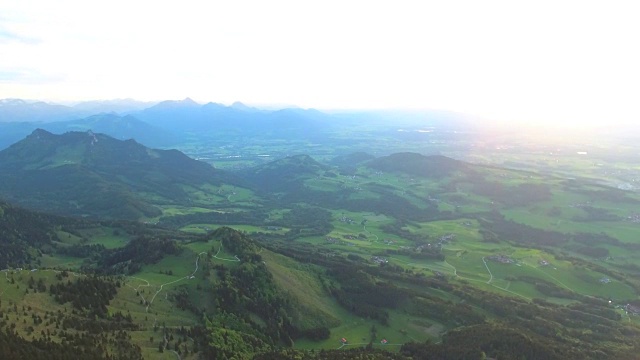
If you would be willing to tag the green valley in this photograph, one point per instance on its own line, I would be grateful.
(389, 256)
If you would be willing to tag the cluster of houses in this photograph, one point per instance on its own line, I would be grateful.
(543, 262)
(345, 342)
(334, 240)
(422, 247)
(605, 280)
(441, 241)
(379, 260)
(446, 238)
(634, 218)
(580, 205)
(347, 220)
(272, 228)
(205, 228)
(503, 259)
(632, 309)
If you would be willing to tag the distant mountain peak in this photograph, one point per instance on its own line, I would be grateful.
(37, 133)
(174, 104)
(12, 102)
(240, 106)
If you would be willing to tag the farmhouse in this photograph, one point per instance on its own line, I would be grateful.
(634, 218)
(347, 220)
(379, 260)
(501, 259)
(447, 237)
(632, 309)
(332, 240)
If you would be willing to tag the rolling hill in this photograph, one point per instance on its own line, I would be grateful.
(434, 166)
(283, 175)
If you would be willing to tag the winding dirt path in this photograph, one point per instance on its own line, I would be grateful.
(490, 274)
(171, 282)
(223, 259)
(364, 227)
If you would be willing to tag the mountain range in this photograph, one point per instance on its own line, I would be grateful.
(18, 110)
(173, 123)
(187, 116)
(161, 125)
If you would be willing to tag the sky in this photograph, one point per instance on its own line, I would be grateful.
(552, 62)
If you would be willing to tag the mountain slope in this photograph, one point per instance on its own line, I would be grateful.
(93, 174)
(22, 231)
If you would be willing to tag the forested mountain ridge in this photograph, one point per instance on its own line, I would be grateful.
(26, 235)
(84, 173)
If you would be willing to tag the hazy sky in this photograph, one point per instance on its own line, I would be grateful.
(559, 61)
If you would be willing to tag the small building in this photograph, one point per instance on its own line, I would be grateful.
(632, 309)
(343, 340)
(379, 260)
(501, 259)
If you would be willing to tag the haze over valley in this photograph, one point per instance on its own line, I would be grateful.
(395, 234)
(319, 180)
